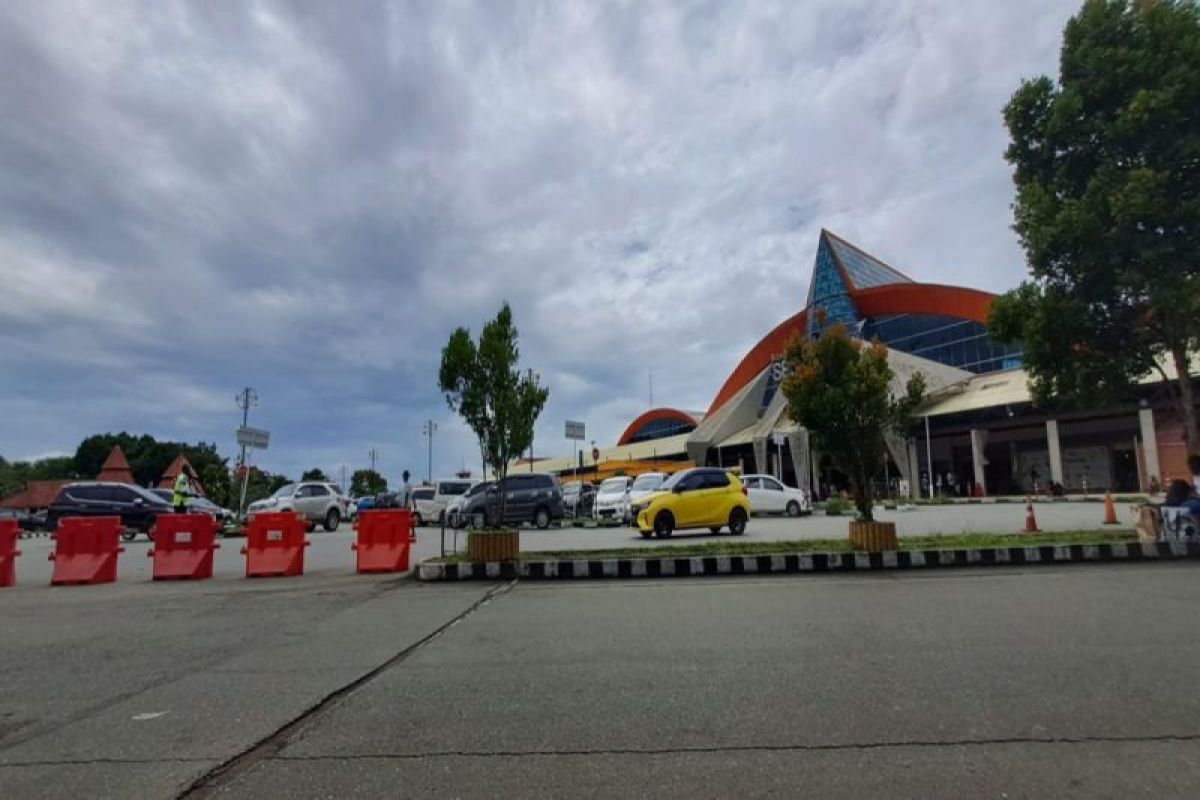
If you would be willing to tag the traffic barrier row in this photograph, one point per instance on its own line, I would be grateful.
(86, 548)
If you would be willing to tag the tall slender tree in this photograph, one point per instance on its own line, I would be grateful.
(483, 383)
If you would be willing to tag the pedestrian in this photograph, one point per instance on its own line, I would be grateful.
(181, 493)
(405, 490)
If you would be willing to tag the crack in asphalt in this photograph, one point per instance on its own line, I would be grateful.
(752, 748)
(271, 745)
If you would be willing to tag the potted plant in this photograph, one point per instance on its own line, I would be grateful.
(500, 405)
(840, 388)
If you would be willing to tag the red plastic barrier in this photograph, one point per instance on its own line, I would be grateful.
(9, 531)
(275, 544)
(183, 546)
(383, 540)
(86, 550)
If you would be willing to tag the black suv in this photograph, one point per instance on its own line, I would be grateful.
(531, 497)
(137, 507)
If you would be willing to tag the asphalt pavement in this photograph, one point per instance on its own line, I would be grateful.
(1017, 682)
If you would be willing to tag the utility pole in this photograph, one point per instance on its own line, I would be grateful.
(373, 454)
(245, 399)
(429, 429)
(529, 372)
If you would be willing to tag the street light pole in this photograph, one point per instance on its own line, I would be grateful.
(429, 429)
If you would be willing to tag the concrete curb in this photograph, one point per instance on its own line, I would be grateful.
(785, 563)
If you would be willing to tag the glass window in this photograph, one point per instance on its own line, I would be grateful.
(715, 479)
(772, 485)
(422, 494)
(453, 487)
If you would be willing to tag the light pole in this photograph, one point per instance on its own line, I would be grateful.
(429, 429)
(245, 398)
(531, 376)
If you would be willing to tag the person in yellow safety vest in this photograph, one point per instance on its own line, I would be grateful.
(182, 493)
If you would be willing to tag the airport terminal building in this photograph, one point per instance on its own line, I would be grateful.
(979, 432)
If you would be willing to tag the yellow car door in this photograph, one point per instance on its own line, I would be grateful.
(689, 501)
(716, 495)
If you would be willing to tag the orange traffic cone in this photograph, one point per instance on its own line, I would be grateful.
(1110, 510)
(1030, 520)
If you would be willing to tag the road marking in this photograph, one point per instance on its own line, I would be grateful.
(149, 715)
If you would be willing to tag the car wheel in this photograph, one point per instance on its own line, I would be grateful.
(737, 522)
(664, 524)
(332, 520)
(417, 521)
(541, 518)
(793, 509)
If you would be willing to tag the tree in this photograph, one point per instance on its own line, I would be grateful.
(314, 474)
(483, 383)
(840, 389)
(367, 482)
(1107, 172)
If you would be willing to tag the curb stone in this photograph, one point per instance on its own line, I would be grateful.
(791, 563)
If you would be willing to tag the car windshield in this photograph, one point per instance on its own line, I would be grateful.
(477, 488)
(146, 494)
(285, 491)
(453, 488)
(670, 482)
(647, 483)
(614, 485)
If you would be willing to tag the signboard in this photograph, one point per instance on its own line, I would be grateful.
(253, 437)
(779, 438)
(574, 430)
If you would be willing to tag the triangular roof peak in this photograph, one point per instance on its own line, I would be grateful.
(116, 467)
(860, 269)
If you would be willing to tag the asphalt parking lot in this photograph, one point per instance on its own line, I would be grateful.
(1017, 682)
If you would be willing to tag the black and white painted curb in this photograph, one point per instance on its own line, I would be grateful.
(689, 566)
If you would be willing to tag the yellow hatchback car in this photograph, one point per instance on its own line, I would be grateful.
(705, 497)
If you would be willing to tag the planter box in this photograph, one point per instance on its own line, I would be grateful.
(493, 545)
(874, 537)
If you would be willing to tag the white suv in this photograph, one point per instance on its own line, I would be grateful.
(769, 496)
(320, 503)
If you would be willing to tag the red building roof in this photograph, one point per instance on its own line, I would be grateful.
(116, 467)
(35, 496)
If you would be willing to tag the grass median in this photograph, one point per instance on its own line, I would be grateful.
(734, 547)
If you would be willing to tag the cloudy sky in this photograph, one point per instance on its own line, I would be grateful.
(308, 197)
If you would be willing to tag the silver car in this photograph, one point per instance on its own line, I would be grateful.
(320, 503)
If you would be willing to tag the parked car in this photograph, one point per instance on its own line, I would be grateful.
(320, 503)
(770, 496)
(612, 499)
(704, 497)
(137, 507)
(532, 497)
(365, 503)
(446, 492)
(423, 506)
(579, 498)
(223, 515)
(644, 485)
(454, 510)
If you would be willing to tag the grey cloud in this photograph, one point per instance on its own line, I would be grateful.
(308, 197)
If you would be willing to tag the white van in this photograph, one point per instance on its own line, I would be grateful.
(429, 502)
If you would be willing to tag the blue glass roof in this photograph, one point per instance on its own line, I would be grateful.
(863, 270)
(828, 293)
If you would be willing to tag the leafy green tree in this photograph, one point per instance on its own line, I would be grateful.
(840, 389)
(315, 474)
(16, 475)
(484, 384)
(1107, 171)
(367, 482)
